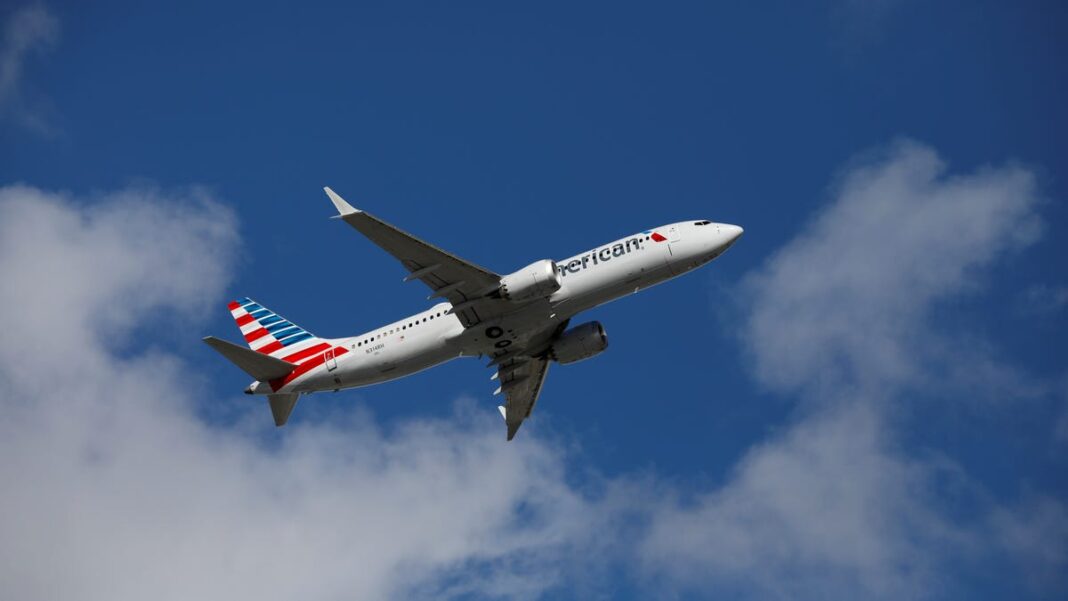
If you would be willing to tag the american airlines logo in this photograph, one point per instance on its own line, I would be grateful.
(607, 253)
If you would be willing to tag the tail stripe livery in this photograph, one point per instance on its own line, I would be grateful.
(255, 335)
(308, 352)
(268, 333)
(305, 367)
(271, 334)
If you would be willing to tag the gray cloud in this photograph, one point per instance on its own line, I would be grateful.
(29, 29)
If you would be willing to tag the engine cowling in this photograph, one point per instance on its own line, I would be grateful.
(579, 343)
(537, 280)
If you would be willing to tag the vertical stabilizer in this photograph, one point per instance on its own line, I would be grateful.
(271, 334)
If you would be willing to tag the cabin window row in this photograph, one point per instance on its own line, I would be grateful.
(410, 324)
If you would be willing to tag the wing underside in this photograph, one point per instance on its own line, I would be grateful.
(461, 282)
(522, 374)
(521, 382)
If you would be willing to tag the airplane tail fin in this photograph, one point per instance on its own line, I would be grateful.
(271, 334)
(278, 351)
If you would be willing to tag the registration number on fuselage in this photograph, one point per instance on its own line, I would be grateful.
(374, 348)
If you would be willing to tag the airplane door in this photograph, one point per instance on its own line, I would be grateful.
(331, 362)
(673, 237)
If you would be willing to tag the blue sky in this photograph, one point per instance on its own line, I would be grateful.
(866, 398)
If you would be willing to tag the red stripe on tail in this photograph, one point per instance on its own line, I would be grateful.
(270, 348)
(305, 367)
(308, 352)
(255, 335)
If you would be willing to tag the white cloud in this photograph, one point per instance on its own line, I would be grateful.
(841, 317)
(826, 510)
(113, 489)
(847, 303)
(29, 29)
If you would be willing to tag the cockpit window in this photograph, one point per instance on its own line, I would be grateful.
(702, 222)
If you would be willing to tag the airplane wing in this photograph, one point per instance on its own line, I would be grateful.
(521, 381)
(461, 282)
(521, 373)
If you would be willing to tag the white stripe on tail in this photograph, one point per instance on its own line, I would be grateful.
(271, 334)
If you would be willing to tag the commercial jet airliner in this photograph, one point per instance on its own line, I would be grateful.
(519, 321)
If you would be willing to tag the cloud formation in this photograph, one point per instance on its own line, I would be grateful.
(840, 317)
(827, 510)
(846, 305)
(108, 465)
(115, 490)
(29, 29)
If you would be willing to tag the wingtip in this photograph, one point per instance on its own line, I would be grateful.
(343, 207)
(512, 429)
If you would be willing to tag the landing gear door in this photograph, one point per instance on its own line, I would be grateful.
(331, 362)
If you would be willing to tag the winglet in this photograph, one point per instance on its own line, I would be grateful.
(343, 208)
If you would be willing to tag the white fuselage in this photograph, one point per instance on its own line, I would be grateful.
(589, 279)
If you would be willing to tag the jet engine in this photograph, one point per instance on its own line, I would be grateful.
(578, 343)
(537, 280)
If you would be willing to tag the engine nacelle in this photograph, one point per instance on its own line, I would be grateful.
(578, 343)
(537, 280)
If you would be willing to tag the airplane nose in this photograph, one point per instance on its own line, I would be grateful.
(733, 231)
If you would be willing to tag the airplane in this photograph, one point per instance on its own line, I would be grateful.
(519, 321)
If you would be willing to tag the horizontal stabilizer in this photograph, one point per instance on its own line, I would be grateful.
(261, 367)
(281, 406)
